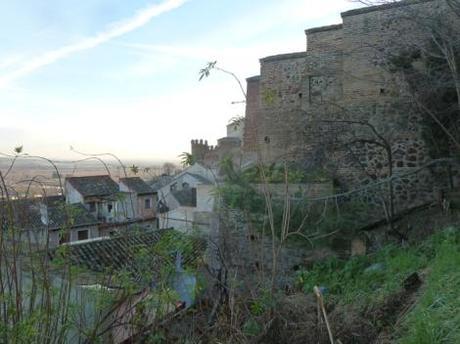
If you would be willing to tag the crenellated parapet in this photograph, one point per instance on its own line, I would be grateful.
(199, 149)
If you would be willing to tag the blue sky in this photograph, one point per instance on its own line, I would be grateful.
(122, 76)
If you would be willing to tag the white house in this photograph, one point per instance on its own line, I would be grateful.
(129, 201)
(187, 197)
(48, 222)
(99, 194)
(142, 195)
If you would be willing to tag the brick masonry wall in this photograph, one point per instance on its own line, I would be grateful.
(341, 77)
(323, 39)
(252, 116)
(280, 98)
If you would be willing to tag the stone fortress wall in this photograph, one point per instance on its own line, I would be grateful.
(294, 106)
(297, 107)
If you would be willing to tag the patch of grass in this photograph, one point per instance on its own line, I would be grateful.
(436, 318)
(364, 280)
(368, 280)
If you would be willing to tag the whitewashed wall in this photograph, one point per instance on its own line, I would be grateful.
(180, 219)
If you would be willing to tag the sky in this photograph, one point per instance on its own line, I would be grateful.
(122, 76)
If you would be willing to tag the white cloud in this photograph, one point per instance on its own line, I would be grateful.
(115, 30)
(253, 32)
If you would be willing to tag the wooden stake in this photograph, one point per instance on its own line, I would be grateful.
(319, 296)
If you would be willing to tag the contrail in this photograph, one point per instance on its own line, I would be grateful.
(115, 30)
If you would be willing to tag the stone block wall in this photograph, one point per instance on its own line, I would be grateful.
(280, 99)
(253, 115)
(212, 155)
(342, 77)
(369, 35)
(326, 38)
(305, 190)
(199, 149)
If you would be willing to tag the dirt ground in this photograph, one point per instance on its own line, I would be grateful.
(296, 320)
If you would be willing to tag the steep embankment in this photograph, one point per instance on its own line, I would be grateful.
(399, 294)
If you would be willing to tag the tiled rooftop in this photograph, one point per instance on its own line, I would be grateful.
(185, 197)
(94, 185)
(123, 252)
(137, 185)
(30, 214)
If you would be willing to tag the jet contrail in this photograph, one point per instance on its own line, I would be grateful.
(115, 30)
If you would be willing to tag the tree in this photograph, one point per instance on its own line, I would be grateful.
(236, 120)
(206, 71)
(42, 298)
(363, 133)
(134, 169)
(18, 150)
(169, 168)
(187, 159)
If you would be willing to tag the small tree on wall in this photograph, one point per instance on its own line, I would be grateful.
(169, 168)
(187, 159)
(359, 134)
(206, 71)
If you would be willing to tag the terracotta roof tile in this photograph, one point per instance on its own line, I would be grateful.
(94, 185)
(137, 185)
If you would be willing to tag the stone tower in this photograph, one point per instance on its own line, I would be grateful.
(199, 149)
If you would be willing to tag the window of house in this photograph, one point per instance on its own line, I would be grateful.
(109, 207)
(83, 235)
(185, 185)
(147, 203)
(173, 187)
(92, 206)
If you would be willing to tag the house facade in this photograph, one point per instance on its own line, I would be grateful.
(186, 201)
(118, 206)
(129, 200)
(143, 196)
(99, 194)
(49, 222)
